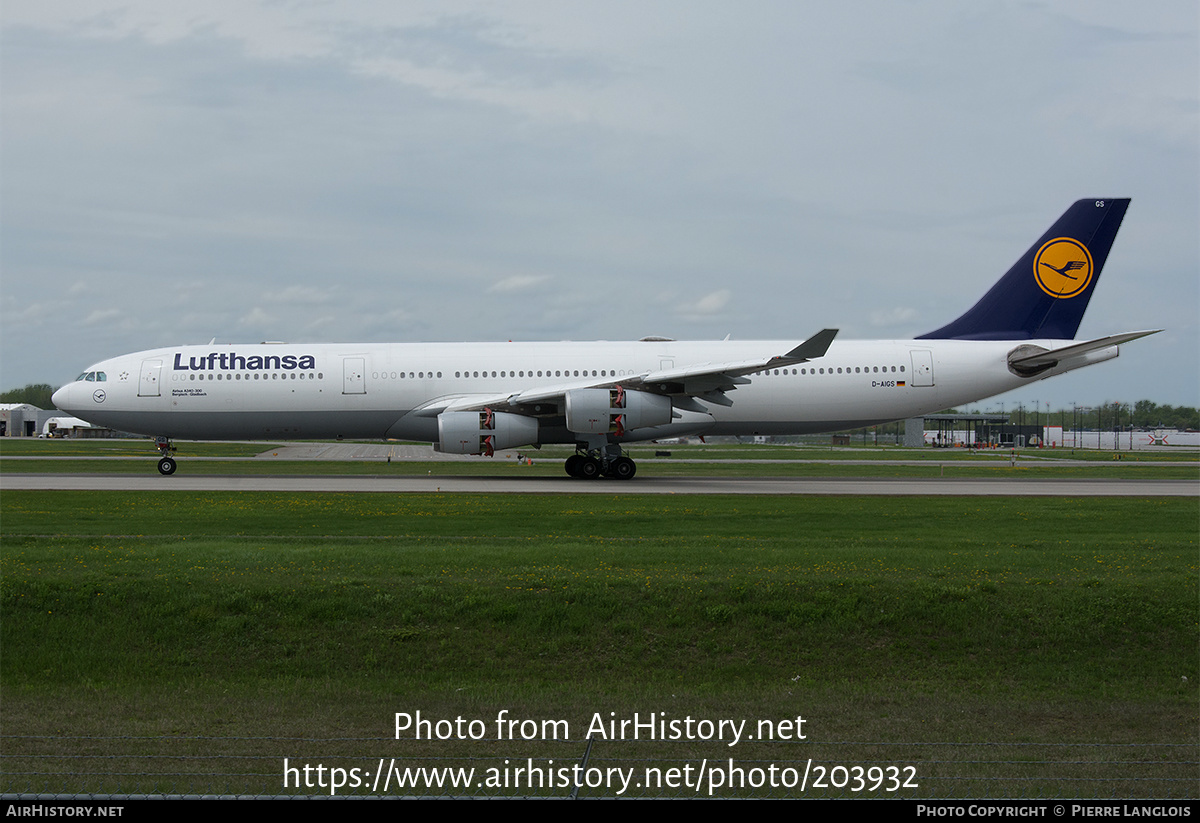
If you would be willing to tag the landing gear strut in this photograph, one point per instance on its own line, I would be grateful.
(166, 462)
(606, 460)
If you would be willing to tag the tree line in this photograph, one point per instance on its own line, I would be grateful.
(35, 394)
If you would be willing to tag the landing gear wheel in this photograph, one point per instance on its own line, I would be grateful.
(589, 468)
(572, 464)
(166, 463)
(622, 468)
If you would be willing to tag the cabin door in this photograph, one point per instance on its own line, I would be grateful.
(354, 375)
(149, 379)
(922, 367)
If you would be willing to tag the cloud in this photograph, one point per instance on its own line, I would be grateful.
(102, 317)
(518, 283)
(895, 316)
(306, 295)
(255, 317)
(708, 305)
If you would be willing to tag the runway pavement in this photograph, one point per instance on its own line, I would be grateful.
(1009, 487)
(644, 483)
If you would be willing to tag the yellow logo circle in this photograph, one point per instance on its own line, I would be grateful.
(1063, 267)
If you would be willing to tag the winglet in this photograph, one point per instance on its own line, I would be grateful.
(813, 347)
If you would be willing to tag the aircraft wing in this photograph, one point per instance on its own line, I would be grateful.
(464, 402)
(686, 385)
(813, 347)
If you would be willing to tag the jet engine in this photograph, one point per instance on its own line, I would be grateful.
(615, 411)
(483, 432)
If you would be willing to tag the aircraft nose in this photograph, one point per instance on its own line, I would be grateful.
(60, 397)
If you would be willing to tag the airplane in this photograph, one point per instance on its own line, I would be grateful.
(476, 398)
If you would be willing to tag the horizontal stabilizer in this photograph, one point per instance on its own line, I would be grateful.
(1052, 357)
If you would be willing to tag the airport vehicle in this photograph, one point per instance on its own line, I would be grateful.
(475, 398)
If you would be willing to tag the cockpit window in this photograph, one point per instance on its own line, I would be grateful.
(90, 377)
(101, 377)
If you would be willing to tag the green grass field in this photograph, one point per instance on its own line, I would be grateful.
(981, 640)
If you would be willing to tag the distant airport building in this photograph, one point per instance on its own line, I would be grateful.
(64, 426)
(24, 420)
(18, 420)
(997, 431)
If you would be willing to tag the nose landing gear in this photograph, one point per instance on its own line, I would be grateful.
(166, 462)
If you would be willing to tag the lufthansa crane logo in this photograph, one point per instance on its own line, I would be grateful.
(1063, 267)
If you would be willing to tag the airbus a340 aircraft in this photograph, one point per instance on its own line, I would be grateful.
(474, 398)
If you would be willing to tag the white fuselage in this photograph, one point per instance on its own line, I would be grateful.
(278, 391)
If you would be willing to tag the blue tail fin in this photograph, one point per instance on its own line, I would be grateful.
(1045, 293)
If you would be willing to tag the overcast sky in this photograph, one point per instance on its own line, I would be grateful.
(171, 172)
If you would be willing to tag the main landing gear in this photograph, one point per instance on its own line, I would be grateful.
(166, 463)
(607, 462)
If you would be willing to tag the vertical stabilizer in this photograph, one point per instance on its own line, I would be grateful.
(1046, 292)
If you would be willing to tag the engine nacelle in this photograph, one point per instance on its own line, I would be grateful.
(483, 432)
(615, 411)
